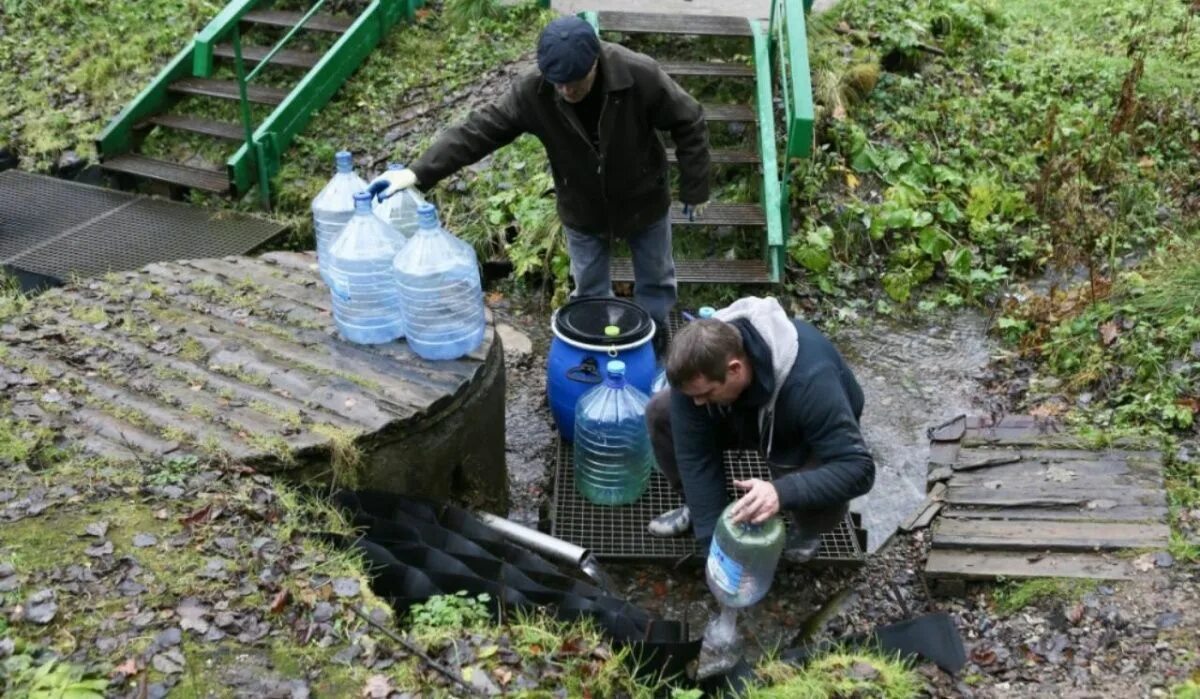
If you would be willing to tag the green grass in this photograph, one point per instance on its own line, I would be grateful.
(839, 675)
(1013, 596)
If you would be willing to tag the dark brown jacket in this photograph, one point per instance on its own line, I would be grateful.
(619, 190)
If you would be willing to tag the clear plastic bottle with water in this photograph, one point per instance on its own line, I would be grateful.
(366, 296)
(333, 208)
(742, 559)
(440, 291)
(400, 209)
(613, 458)
(660, 378)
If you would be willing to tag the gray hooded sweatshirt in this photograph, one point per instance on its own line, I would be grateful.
(801, 410)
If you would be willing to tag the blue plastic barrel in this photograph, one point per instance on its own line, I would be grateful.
(589, 332)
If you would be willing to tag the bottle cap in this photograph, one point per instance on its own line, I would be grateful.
(615, 368)
(395, 166)
(611, 331)
(344, 161)
(707, 311)
(427, 215)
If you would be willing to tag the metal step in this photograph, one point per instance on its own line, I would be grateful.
(722, 215)
(196, 178)
(280, 18)
(708, 69)
(285, 57)
(729, 112)
(644, 23)
(702, 271)
(227, 89)
(726, 156)
(208, 127)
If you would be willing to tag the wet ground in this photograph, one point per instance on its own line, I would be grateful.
(914, 377)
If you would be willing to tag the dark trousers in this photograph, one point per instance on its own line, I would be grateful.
(740, 431)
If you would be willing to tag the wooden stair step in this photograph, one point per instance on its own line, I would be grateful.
(197, 178)
(718, 214)
(227, 89)
(703, 271)
(708, 69)
(647, 23)
(279, 18)
(285, 57)
(729, 112)
(209, 127)
(725, 156)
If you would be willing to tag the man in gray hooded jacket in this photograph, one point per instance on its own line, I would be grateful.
(752, 377)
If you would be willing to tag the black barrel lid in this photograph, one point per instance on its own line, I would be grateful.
(586, 319)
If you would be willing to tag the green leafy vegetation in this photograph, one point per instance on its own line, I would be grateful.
(1034, 140)
(839, 674)
(1016, 595)
(26, 675)
(451, 611)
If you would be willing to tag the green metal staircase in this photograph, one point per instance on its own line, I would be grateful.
(780, 62)
(188, 78)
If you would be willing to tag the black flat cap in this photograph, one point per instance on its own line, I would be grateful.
(567, 49)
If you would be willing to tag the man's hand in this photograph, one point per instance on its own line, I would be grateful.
(396, 180)
(694, 211)
(759, 504)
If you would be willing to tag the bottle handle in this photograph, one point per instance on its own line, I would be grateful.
(588, 371)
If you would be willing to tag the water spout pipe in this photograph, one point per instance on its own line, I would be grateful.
(552, 547)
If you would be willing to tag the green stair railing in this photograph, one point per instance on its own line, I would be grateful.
(259, 157)
(789, 60)
(774, 203)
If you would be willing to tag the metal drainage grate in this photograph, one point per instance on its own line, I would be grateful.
(620, 532)
(60, 228)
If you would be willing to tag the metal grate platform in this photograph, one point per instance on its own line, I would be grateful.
(620, 532)
(57, 228)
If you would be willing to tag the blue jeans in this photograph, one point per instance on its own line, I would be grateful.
(654, 286)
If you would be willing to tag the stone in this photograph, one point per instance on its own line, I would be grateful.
(515, 342)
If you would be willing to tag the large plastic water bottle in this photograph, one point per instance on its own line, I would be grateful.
(440, 291)
(333, 208)
(613, 458)
(742, 559)
(660, 379)
(366, 296)
(400, 209)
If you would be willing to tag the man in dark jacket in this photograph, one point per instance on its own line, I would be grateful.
(751, 377)
(596, 107)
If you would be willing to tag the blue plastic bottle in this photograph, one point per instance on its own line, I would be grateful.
(366, 296)
(742, 559)
(400, 209)
(440, 291)
(613, 458)
(333, 208)
(660, 379)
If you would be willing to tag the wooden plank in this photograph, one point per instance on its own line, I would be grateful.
(1042, 535)
(1053, 477)
(968, 462)
(925, 513)
(950, 431)
(1080, 469)
(1059, 494)
(948, 563)
(944, 452)
(1119, 513)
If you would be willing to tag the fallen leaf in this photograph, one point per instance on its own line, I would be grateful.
(851, 181)
(128, 668)
(197, 516)
(1144, 562)
(487, 652)
(503, 675)
(377, 687)
(141, 541)
(345, 587)
(1109, 332)
(280, 601)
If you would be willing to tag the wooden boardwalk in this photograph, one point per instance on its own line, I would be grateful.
(1021, 498)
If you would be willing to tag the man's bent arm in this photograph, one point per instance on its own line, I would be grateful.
(676, 111)
(484, 131)
(699, 457)
(824, 416)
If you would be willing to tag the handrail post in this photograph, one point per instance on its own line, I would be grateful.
(264, 192)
